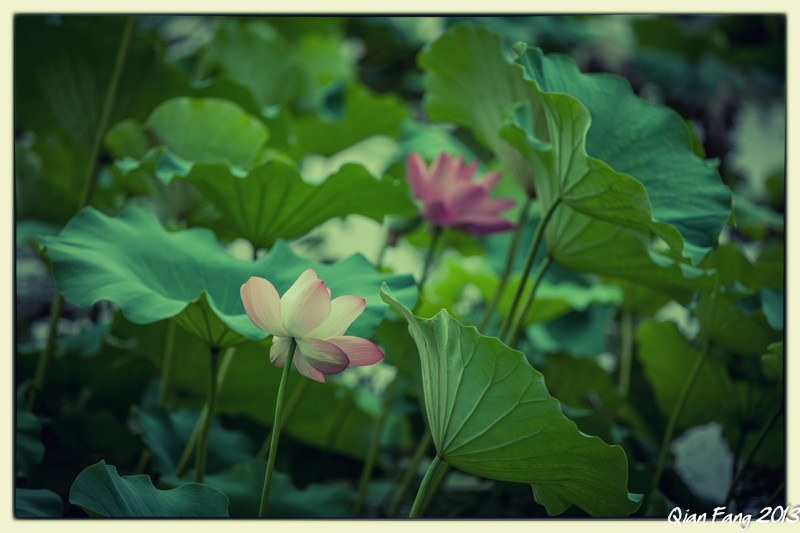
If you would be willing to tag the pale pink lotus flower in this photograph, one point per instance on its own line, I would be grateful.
(307, 313)
(452, 199)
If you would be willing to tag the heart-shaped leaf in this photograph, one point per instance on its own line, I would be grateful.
(490, 414)
(153, 275)
(100, 491)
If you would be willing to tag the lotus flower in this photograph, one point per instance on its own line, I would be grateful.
(452, 199)
(307, 313)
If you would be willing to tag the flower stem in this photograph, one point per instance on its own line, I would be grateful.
(437, 233)
(537, 238)
(408, 477)
(166, 366)
(626, 342)
(512, 253)
(91, 179)
(676, 413)
(423, 488)
(537, 279)
(746, 461)
(374, 444)
(276, 427)
(202, 444)
(436, 483)
(294, 401)
(191, 446)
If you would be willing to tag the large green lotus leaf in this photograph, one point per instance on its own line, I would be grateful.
(364, 115)
(733, 266)
(327, 64)
(208, 129)
(153, 275)
(648, 142)
(100, 491)
(490, 414)
(467, 81)
(243, 484)
(667, 359)
(273, 202)
(38, 503)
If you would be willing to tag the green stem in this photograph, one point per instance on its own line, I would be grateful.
(775, 494)
(537, 238)
(276, 431)
(44, 357)
(512, 252)
(144, 458)
(191, 446)
(105, 114)
(673, 419)
(91, 179)
(437, 233)
(751, 452)
(374, 444)
(537, 279)
(436, 483)
(423, 489)
(387, 232)
(202, 444)
(408, 476)
(166, 367)
(294, 401)
(626, 342)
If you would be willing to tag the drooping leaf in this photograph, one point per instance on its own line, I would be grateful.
(364, 115)
(38, 503)
(101, 491)
(243, 485)
(490, 414)
(153, 275)
(650, 143)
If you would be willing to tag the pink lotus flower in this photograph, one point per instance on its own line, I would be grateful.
(452, 199)
(307, 313)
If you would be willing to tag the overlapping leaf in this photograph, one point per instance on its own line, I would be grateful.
(37, 503)
(490, 414)
(101, 491)
(152, 275)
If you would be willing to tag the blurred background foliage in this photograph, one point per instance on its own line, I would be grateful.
(327, 91)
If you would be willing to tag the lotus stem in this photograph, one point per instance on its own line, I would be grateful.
(626, 342)
(276, 427)
(676, 413)
(752, 451)
(294, 401)
(437, 233)
(512, 253)
(191, 446)
(537, 238)
(166, 366)
(408, 476)
(374, 444)
(202, 444)
(423, 488)
(518, 323)
(91, 179)
(436, 483)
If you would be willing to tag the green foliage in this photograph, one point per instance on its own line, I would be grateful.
(490, 429)
(37, 503)
(101, 491)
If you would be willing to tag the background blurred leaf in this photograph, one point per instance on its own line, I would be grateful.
(100, 491)
(475, 430)
(37, 503)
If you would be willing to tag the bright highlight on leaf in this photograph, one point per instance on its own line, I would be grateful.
(490, 414)
(452, 199)
(307, 313)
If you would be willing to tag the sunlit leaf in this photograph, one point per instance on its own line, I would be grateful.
(490, 414)
(153, 275)
(100, 491)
